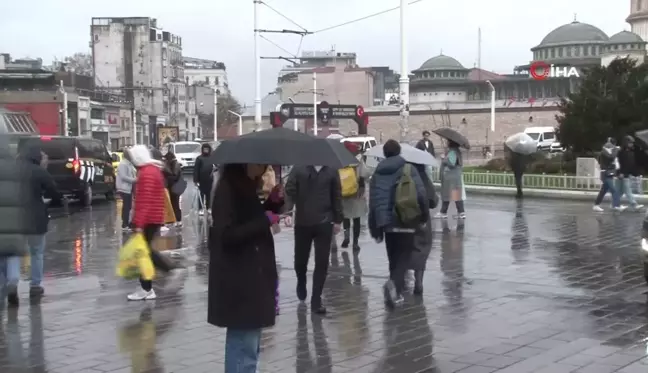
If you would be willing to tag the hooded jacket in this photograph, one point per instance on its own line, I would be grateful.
(35, 181)
(203, 167)
(149, 190)
(381, 196)
(126, 176)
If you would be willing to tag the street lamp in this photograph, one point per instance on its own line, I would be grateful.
(295, 120)
(240, 124)
(492, 112)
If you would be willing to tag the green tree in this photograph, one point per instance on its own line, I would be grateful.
(227, 103)
(611, 101)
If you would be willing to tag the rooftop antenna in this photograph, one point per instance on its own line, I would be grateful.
(575, 18)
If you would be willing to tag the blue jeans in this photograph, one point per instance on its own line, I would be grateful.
(608, 185)
(36, 245)
(625, 187)
(9, 271)
(242, 350)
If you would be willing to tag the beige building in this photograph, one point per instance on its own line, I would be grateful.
(335, 84)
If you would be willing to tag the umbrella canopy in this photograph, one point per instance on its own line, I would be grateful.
(280, 146)
(642, 137)
(452, 135)
(409, 153)
(345, 155)
(521, 143)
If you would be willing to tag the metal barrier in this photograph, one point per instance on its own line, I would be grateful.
(543, 181)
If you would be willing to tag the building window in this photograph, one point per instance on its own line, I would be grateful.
(639, 5)
(560, 52)
(553, 53)
(577, 51)
(569, 52)
(593, 50)
(193, 122)
(585, 51)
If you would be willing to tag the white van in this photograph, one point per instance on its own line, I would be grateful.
(363, 142)
(185, 151)
(545, 137)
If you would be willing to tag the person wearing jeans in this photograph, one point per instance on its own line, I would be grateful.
(627, 170)
(607, 162)
(36, 244)
(126, 176)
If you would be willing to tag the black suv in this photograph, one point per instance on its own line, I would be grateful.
(81, 167)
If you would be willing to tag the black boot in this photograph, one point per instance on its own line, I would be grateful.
(418, 282)
(302, 292)
(347, 239)
(12, 296)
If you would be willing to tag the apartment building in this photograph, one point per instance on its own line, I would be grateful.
(208, 73)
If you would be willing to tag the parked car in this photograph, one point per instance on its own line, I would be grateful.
(185, 151)
(81, 167)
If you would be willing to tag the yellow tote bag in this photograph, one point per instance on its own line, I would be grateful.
(135, 259)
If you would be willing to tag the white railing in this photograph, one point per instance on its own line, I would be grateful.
(544, 181)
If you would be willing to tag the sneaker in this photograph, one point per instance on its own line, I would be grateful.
(142, 294)
(637, 207)
(164, 229)
(597, 208)
(440, 216)
(620, 208)
(461, 216)
(178, 224)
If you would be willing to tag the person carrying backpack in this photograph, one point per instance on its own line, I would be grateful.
(398, 206)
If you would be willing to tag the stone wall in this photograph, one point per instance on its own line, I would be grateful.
(477, 124)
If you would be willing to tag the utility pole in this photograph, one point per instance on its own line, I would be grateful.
(404, 76)
(257, 59)
(216, 115)
(315, 103)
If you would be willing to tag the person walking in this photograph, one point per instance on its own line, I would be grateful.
(608, 162)
(242, 267)
(202, 176)
(148, 212)
(354, 207)
(172, 175)
(316, 194)
(397, 206)
(452, 188)
(426, 144)
(518, 164)
(423, 236)
(627, 171)
(36, 182)
(126, 176)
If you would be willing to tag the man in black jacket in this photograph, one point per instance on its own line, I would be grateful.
(23, 216)
(316, 194)
(425, 143)
(202, 175)
(627, 170)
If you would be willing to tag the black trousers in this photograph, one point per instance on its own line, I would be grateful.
(205, 192)
(175, 204)
(346, 224)
(518, 180)
(446, 204)
(159, 262)
(127, 204)
(399, 254)
(319, 236)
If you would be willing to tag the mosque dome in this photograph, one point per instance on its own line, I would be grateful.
(441, 62)
(573, 33)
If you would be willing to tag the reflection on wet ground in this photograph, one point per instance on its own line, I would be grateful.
(549, 287)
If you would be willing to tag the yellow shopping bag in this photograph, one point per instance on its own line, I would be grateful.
(169, 215)
(135, 259)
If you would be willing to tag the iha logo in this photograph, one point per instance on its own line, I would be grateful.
(541, 71)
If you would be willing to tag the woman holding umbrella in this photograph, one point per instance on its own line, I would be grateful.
(452, 188)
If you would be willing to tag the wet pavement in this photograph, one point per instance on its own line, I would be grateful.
(549, 288)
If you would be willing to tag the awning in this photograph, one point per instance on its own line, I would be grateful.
(16, 122)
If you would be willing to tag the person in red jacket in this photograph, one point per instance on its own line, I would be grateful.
(148, 212)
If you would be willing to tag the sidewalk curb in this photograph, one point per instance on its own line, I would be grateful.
(539, 193)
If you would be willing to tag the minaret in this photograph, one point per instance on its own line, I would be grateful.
(638, 18)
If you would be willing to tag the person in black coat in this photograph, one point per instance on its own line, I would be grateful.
(425, 143)
(518, 163)
(24, 218)
(172, 174)
(202, 174)
(242, 266)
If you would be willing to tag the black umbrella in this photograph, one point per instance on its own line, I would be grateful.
(452, 135)
(343, 153)
(280, 146)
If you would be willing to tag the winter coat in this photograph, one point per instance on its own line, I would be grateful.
(126, 176)
(426, 146)
(424, 235)
(381, 195)
(452, 188)
(172, 173)
(316, 196)
(242, 266)
(627, 163)
(356, 206)
(38, 183)
(149, 193)
(203, 167)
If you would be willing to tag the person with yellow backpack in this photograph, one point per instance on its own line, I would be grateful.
(354, 204)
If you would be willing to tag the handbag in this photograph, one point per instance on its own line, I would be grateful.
(179, 187)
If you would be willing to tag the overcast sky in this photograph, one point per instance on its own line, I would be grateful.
(223, 29)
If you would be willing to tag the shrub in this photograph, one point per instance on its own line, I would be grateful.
(537, 164)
